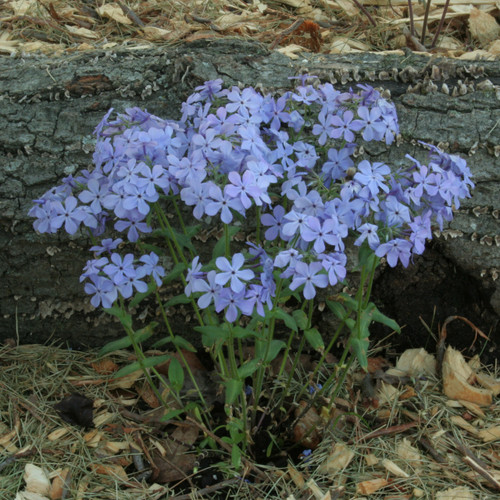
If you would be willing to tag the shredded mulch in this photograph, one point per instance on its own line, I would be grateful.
(466, 29)
(392, 433)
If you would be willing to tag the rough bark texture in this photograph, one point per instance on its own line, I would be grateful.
(50, 107)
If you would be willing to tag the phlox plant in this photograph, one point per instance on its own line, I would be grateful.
(283, 169)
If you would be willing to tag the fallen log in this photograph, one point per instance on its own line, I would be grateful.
(50, 107)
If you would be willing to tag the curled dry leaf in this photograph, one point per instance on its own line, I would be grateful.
(29, 495)
(457, 378)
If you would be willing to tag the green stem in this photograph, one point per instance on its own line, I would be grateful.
(179, 350)
(262, 368)
(140, 358)
(226, 241)
(257, 230)
(235, 375)
(296, 358)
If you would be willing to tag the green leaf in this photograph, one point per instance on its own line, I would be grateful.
(182, 343)
(212, 334)
(153, 248)
(124, 317)
(244, 333)
(139, 336)
(162, 342)
(140, 296)
(366, 256)
(274, 349)
(176, 374)
(351, 324)
(366, 317)
(183, 240)
(289, 320)
(177, 270)
(178, 299)
(248, 368)
(360, 349)
(234, 388)
(236, 457)
(350, 301)
(338, 309)
(300, 318)
(171, 415)
(382, 318)
(315, 339)
(146, 363)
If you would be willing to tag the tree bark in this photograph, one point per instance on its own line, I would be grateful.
(50, 107)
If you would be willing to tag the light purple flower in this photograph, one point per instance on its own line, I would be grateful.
(94, 195)
(345, 125)
(275, 221)
(244, 187)
(102, 290)
(394, 250)
(120, 269)
(152, 268)
(222, 203)
(320, 232)
(68, 214)
(369, 233)
(193, 273)
(231, 271)
(373, 125)
(107, 245)
(127, 287)
(209, 288)
(233, 301)
(307, 275)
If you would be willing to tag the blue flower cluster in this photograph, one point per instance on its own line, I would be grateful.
(291, 157)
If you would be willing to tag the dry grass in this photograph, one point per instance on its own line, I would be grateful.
(418, 430)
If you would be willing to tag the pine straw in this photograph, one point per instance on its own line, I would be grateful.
(34, 377)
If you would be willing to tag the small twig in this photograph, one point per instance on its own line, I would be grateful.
(131, 15)
(412, 23)
(441, 23)
(386, 431)
(208, 489)
(412, 41)
(474, 462)
(426, 444)
(16, 456)
(426, 16)
(365, 12)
